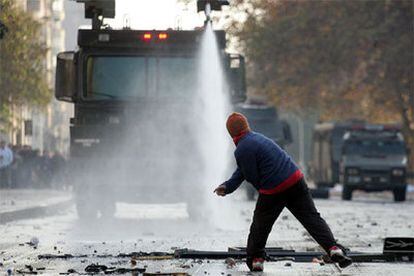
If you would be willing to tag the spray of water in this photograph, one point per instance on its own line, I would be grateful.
(216, 149)
(215, 105)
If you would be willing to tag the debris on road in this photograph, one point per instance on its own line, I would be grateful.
(60, 256)
(395, 250)
(26, 272)
(155, 258)
(147, 255)
(318, 261)
(133, 261)
(122, 270)
(230, 262)
(34, 241)
(97, 268)
(29, 270)
(166, 274)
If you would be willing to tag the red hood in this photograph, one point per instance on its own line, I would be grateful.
(236, 139)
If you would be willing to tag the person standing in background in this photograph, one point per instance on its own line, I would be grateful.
(6, 159)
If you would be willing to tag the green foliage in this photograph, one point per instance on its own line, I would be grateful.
(22, 62)
(344, 58)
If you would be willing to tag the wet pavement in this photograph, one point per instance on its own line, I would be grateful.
(361, 225)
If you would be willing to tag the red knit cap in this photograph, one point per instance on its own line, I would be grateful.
(237, 124)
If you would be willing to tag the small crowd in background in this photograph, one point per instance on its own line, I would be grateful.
(22, 167)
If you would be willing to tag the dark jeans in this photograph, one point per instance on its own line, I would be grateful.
(300, 203)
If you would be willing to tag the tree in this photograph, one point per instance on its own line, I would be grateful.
(22, 63)
(346, 59)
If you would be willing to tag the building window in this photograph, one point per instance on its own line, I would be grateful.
(33, 5)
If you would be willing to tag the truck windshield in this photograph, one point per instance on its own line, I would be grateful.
(374, 147)
(126, 77)
(268, 127)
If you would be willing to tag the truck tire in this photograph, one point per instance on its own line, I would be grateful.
(108, 209)
(86, 211)
(400, 194)
(196, 207)
(346, 193)
(197, 211)
(320, 192)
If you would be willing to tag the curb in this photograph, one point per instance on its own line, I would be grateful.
(34, 212)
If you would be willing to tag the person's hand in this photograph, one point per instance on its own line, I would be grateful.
(220, 190)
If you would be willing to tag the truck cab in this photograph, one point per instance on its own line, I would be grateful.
(374, 158)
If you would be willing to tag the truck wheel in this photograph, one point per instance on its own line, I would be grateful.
(108, 209)
(400, 193)
(320, 192)
(346, 193)
(86, 211)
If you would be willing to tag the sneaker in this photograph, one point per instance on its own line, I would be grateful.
(337, 255)
(257, 264)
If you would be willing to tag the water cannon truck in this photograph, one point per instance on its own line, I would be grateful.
(360, 156)
(374, 158)
(119, 81)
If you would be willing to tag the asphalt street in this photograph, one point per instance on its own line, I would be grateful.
(361, 225)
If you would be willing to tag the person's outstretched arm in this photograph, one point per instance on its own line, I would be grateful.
(230, 185)
(234, 182)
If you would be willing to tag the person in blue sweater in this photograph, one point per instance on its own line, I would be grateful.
(280, 183)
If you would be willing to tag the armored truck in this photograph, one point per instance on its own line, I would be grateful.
(374, 158)
(265, 119)
(135, 124)
(326, 151)
(360, 156)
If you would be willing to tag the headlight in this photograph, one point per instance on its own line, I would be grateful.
(397, 172)
(352, 171)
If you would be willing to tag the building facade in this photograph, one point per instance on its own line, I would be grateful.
(45, 129)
